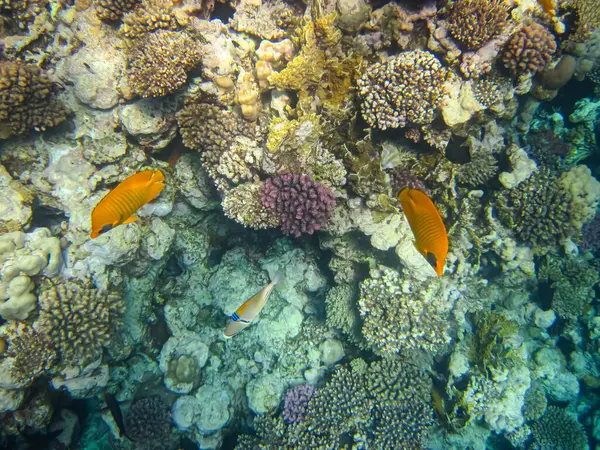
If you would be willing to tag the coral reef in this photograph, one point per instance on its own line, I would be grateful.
(243, 204)
(149, 16)
(113, 9)
(303, 205)
(591, 235)
(558, 430)
(530, 49)
(148, 423)
(27, 100)
(408, 88)
(159, 62)
(475, 22)
(78, 319)
(32, 352)
(296, 403)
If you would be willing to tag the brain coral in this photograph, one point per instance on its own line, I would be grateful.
(406, 88)
(474, 22)
(397, 319)
(530, 49)
(547, 208)
(303, 205)
(78, 319)
(159, 62)
(27, 99)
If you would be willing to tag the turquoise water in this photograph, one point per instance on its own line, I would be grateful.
(299, 225)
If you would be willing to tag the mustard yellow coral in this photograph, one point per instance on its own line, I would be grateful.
(474, 22)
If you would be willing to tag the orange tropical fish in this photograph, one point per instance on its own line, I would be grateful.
(431, 239)
(247, 312)
(117, 207)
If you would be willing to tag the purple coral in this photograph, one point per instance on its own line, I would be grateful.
(591, 235)
(401, 178)
(303, 205)
(296, 403)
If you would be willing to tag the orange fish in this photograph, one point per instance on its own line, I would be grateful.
(117, 207)
(431, 239)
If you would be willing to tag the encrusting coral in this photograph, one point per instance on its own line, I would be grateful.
(243, 204)
(530, 49)
(399, 319)
(32, 351)
(303, 205)
(159, 62)
(78, 319)
(386, 403)
(407, 88)
(475, 22)
(557, 430)
(27, 99)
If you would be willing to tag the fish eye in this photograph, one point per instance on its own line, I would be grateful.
(106, 228)
(431, 259)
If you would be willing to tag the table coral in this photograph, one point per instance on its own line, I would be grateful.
(159, 62)
(149, 16)
(303, 205)
(407, 88)
(27, 99)
(243, 204)
(398, 317)
(475, 22)
(79, 319)
(530, 49)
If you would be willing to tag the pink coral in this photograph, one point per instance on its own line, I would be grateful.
(303, 204)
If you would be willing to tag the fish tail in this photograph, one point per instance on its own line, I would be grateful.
(276, 279)
(157, 177)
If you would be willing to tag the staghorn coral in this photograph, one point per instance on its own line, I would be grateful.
(159, 62)
(407, 88)
(148, 424)
(303, 205)
(529, 49)
(33, 353)
(399, 319)
(113, 9)
(149, 16)
(243, 204)
(296, 402)
(79, 319)
(545, 209)
(475, 22)
(27, 100)
(571, 281)
(557, 430)
(386, 403)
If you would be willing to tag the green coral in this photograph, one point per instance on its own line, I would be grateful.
(547, 208)
(572, 282)
(488, 344)
(557, 430)
(340, 309)
(386, 403)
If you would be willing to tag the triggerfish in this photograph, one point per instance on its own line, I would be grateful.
(245, 314)
(431, 239)
(117, 207)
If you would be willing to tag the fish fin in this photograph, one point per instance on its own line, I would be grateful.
(155, 189)
(130, 220)
(157, 177)
(431, 259)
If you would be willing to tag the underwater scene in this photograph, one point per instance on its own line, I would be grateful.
(299, 224)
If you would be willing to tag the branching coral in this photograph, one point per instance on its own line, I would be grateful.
(386, 403)
(545, 209)
(296, 403)
(21, 11)
(148, 423)
(591, 235)
(149, 16)
(475, 22)
(557, 430)
(27, 99)
(530, 49)
(588, 17)
(400, 319)
(571, 282)
(78, 319)
(159, 62)
(113, 9)
(243, 204)
(408, 88)
(491, 90)
(33, 353)
(303, 205)
(340, 308)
